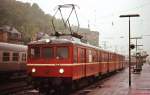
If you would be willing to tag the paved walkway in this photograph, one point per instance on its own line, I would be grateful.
(141, 82)
(118, 84)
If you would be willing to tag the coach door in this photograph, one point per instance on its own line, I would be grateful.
(82, 59)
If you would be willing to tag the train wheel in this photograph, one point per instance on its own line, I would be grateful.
(74, 86)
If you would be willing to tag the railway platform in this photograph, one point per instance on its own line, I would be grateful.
(118, 84)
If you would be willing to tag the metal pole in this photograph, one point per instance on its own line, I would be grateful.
(129, 57)
(130, 15)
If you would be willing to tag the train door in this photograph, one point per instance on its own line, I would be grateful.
(82, 59)
(103, 64)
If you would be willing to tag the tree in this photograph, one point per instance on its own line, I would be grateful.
(26, 18)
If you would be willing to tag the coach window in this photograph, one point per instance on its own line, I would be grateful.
(47, 52)
(62, 52)
(90, 56)
(109, 57)
(35, 52)
(100, 58)
(15, 56)
(24, 57)
(95, 56)
(6, 56)
(82, 55)
(104, 55)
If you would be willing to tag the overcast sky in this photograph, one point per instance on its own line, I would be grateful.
(103, 16)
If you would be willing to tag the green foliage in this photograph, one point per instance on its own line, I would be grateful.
(26, 18)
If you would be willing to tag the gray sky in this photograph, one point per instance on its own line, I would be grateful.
(103, 16)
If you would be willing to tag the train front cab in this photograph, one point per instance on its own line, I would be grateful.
(50, 64)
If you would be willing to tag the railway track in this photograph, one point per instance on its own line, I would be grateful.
(81, 91)
(12, 88)
(96, 85)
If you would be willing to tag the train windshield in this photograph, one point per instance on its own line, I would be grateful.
(47, 52)
(62, 52)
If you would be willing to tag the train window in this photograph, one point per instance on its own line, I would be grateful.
(90, 56)
(62, 52)
(109, 57)
(6, 56)
(94, 56)
(47, 53)
(104, 56)
(35, 52)
(23, 57)
(87, 56)
(75, 54)
(15, 56)
(100, 57)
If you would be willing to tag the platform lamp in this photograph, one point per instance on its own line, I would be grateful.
(129, 16)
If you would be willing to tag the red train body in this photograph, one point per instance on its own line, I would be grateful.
(61, 61)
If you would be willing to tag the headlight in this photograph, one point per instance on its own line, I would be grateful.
(61, 70)
(47, 40)
(33, 70)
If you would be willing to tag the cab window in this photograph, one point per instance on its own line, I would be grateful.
(62, 52)
(23, 57)
(47, 52)
(35, 52)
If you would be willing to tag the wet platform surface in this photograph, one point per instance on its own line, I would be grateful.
(118, 84)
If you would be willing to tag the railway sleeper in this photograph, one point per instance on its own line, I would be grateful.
(10, 88)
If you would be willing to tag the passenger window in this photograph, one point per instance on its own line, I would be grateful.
(48, 53)
(6, 56)
(90, 56)
(15, 56)
(23, 57)
(94, 56)
(62, 52)
(35, 52)
(82, 55)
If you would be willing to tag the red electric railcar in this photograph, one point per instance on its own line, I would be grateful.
(58, 62)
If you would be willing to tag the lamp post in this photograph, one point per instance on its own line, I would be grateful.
(129, 16)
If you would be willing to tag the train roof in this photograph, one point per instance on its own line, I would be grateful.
(66, 41)
(62, 41)
(12, 47)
